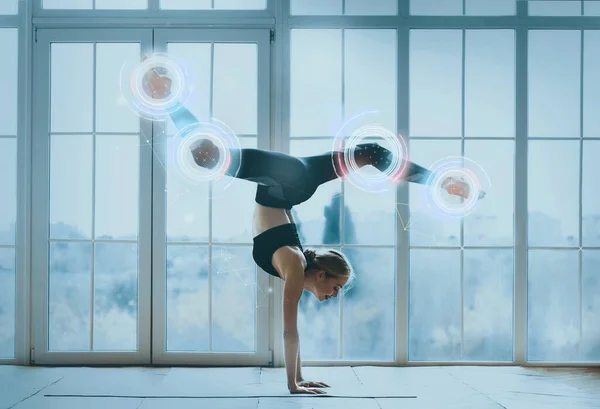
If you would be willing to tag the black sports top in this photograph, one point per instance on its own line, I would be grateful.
(269, 241)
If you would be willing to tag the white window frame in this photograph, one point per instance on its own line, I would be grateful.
(41, 202)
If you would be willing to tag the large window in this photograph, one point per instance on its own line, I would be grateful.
(8, 184)
(462, 104)
(132, 261)
(564, 284)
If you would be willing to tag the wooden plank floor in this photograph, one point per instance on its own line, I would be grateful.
(264, 388)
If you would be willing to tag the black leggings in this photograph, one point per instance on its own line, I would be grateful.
(285, 181)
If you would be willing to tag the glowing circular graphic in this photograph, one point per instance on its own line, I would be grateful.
(456, 185)
(156, 86)
(204, 154)
(369, 138)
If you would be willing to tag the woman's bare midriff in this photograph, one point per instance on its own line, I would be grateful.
(266, 218)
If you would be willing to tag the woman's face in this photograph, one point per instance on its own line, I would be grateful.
(327, 287)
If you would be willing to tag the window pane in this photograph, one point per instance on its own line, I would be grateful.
(185, 4)
(554, 7)
(435, 317)
(492, 221)
(71, 176)
(436, 7)
(371, 7)
(590, 205)
(187, 298)
(370, 75)
(121, 5)
(425, 226)
(491, 7)
(553, 193)
(490, 83)
(590, 344)
(234, 278)
(591, 8)
(233, 207)
(8, 187)
(69, 296)
(319, 327)
(71, 99)
(68, 4)
(9, 77)
(369, 322)
(115, 297)
(240, 4)
(111, 115)
(316, 82)
(9, 7)
(436, 82)
(553, 305)
(591, 83)
(316, 7)
(235, 87)
(7, 303)
(117, 186)
(554, 83)
(318, 219)
(488, 305)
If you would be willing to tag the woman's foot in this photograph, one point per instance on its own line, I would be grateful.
(205, 153)
(158, 85)
(456, 187)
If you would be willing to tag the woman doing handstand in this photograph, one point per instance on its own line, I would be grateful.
(285, 181)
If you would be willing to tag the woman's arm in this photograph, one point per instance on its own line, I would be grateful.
(299, 366)
(160, 86)
(292, 291)
(298, 361)
(182, 117)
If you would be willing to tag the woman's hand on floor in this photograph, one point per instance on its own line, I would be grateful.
(310, 384)
(303, 390)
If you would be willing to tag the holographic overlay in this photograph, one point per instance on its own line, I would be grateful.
(212, 144)
(455, 186)
(170, 80)
(362, 129)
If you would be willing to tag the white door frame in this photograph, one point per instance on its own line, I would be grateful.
(262, 355)
(41, 204)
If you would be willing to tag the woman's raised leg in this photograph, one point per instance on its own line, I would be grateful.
(261, 166)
